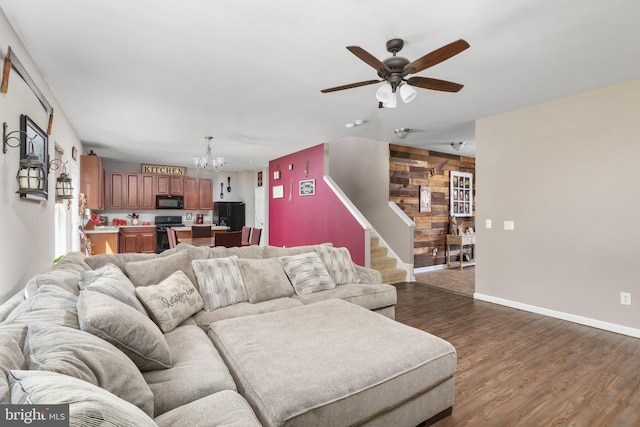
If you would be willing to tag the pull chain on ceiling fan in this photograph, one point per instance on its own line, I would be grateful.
(394, 71)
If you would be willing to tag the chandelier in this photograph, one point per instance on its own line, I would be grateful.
(207, 164)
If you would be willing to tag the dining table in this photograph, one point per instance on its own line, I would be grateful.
(204, 241)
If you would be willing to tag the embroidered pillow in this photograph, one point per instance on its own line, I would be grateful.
(171, 301)
(219, 282)
(306, 273)
(338, 263)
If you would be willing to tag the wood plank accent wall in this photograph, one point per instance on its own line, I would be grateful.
(408, 170)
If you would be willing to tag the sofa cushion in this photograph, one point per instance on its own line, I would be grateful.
(223, 409)
(110, 280)
(197, 371)
(49, 304)
(63, 278)
(306, 273)
(154, 271)
(338, 263)
(264, 279)
(362, 294)
(88, 405)
(126, 328)
(251, 252)
(74, 261)
(205, 318)
(171, 301)
(87, 357)
(196, 252)
(276, 251)
(11, 357)
(9, 305)
(350, 364)
(120, 260)
(219, 282)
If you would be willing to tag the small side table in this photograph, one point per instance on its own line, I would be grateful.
(461, 241)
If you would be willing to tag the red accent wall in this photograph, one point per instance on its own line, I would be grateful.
(296, 220)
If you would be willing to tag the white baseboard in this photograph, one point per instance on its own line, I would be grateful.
(612, 327)
(430, 268)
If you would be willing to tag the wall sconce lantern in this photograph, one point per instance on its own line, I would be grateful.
(33, 172)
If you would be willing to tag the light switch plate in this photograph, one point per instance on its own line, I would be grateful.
(509, 225)
(487, 223)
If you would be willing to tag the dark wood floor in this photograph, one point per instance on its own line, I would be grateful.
(522, 369)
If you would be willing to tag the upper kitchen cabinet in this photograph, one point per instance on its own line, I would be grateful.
(124, 190)
(205, 191)
(198, 193)
(147, 191)
(170, 185)
(92, 183)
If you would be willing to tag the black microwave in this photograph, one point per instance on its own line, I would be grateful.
(169, 202)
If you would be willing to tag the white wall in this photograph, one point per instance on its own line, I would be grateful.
(360, 167)
(27, 246)
(565, 172)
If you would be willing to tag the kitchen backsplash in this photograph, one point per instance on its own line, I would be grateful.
(188, 217)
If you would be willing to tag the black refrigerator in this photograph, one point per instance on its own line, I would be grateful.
(230, 214)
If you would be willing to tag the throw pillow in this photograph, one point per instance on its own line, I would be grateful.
(264, 279)
(154, 271)
(219, 282)
(277, 251)
(130, 331)
(84, 356)
(110, 280)
(88, 405)
(338, 263)
(172, 301)
(306, 273)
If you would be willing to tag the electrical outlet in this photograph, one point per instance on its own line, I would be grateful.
(487, 223)
(435, 252)
(625, 298)
(508, 225)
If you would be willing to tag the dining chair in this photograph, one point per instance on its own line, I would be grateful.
(255, 235)
(229, 239)
(172, 237)
(200, 231)
(246, 232)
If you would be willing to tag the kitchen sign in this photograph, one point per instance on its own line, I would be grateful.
(163, 170)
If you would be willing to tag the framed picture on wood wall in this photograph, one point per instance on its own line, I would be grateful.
(461, 194)
(425, 199)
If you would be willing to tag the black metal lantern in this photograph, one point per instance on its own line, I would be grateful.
(63, 186)
(32, 176)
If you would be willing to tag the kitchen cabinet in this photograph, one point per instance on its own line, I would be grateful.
(205, 192)
(169, 185)
(92, 181)
(137, 239)
(124, 190)
(198, 193)
(191, 193)
(147, 191)
(115, 190)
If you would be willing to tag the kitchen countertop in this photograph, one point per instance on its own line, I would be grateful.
(114, 229)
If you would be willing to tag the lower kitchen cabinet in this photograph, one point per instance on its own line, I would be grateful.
(137, 239)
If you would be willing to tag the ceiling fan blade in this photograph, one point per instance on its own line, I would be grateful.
(436, 57)
(349, 86)
(434, 84)
(371, 60)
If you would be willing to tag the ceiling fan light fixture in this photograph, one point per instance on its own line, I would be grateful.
(385, 93)
(392, 102)
(407, 93)
(402, 132)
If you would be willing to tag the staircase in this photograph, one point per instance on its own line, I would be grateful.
(385, 264)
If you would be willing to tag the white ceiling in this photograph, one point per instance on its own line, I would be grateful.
(146, 80)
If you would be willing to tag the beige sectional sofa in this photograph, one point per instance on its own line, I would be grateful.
(123, 338)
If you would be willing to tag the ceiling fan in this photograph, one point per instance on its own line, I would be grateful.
(394, 72)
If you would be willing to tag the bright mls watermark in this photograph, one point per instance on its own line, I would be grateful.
(34, 415)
